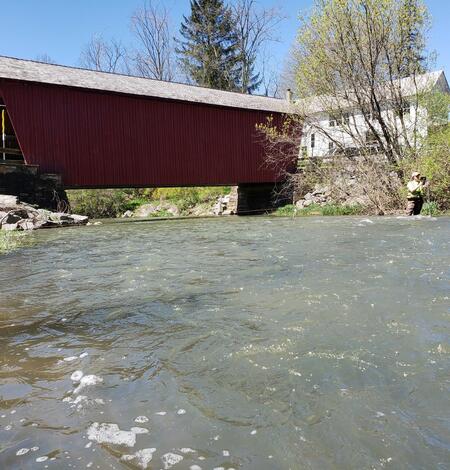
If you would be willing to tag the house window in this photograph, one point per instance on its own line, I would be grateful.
(405, 110)
(313, 140)
(339, 120)
(330, 145)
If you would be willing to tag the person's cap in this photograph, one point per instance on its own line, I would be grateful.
(415, 173)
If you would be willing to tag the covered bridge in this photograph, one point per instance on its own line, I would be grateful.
(104, 130)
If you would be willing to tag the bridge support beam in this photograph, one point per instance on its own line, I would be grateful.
(259, 198)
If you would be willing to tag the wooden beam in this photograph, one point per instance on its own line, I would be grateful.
(9, 151)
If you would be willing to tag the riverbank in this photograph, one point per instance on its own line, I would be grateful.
(151, 202)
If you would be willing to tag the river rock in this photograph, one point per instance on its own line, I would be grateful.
(18, 216)
(8, 202)
(147, 210)
(222, 205)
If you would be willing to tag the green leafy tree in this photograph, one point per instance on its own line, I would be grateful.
(351, 55)
(209, 50)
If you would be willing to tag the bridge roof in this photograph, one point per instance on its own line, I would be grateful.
(32, 71)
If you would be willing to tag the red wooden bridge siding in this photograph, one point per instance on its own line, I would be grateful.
(106, 139)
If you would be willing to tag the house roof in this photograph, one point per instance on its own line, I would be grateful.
(32, 71)
(409, 86)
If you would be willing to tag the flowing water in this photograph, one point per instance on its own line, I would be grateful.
(247, 343)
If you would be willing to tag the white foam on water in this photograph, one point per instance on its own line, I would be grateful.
(42, 459)
(83, 355)
(161, 413)
(70, 358)
(201, 458)
(76, 376)
(253, 432)
(79, 401)
(13, 412)
(219, 468)
(216, 438)
(88, 445)
(181, 412)
(226, 453)
(143, 457)
(170, 459)
(34, 449)
(195, 467)
(89, 465)
(88, 381)
(138, 430)
(107, 433)
(23, 451)
(187, 450)
(141, 419)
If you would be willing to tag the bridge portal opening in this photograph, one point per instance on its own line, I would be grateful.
(10, 148)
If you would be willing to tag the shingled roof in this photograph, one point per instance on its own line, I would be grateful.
(32, 71)
(407, 86)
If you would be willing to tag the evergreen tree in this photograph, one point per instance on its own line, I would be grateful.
(209, 52)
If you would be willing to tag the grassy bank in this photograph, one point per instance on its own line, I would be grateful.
(105, 203)
(315, 209)
(429, 208)
(12, 240)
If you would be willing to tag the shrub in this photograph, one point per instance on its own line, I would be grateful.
(430, 208)
(99, 203)
(434, 163)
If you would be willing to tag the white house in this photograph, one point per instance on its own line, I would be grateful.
(325, 132)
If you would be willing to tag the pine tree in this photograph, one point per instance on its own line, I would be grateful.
(209, 52)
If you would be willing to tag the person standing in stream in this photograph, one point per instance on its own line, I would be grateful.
(416, 187)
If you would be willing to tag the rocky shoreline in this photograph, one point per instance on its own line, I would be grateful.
(15, 215)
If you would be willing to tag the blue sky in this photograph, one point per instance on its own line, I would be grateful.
(60, 28)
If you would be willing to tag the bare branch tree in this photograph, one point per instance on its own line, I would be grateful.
(45, 58)
(154, 55)
(104, 56)
(269, 78)
(288, 80)
(254, 28)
